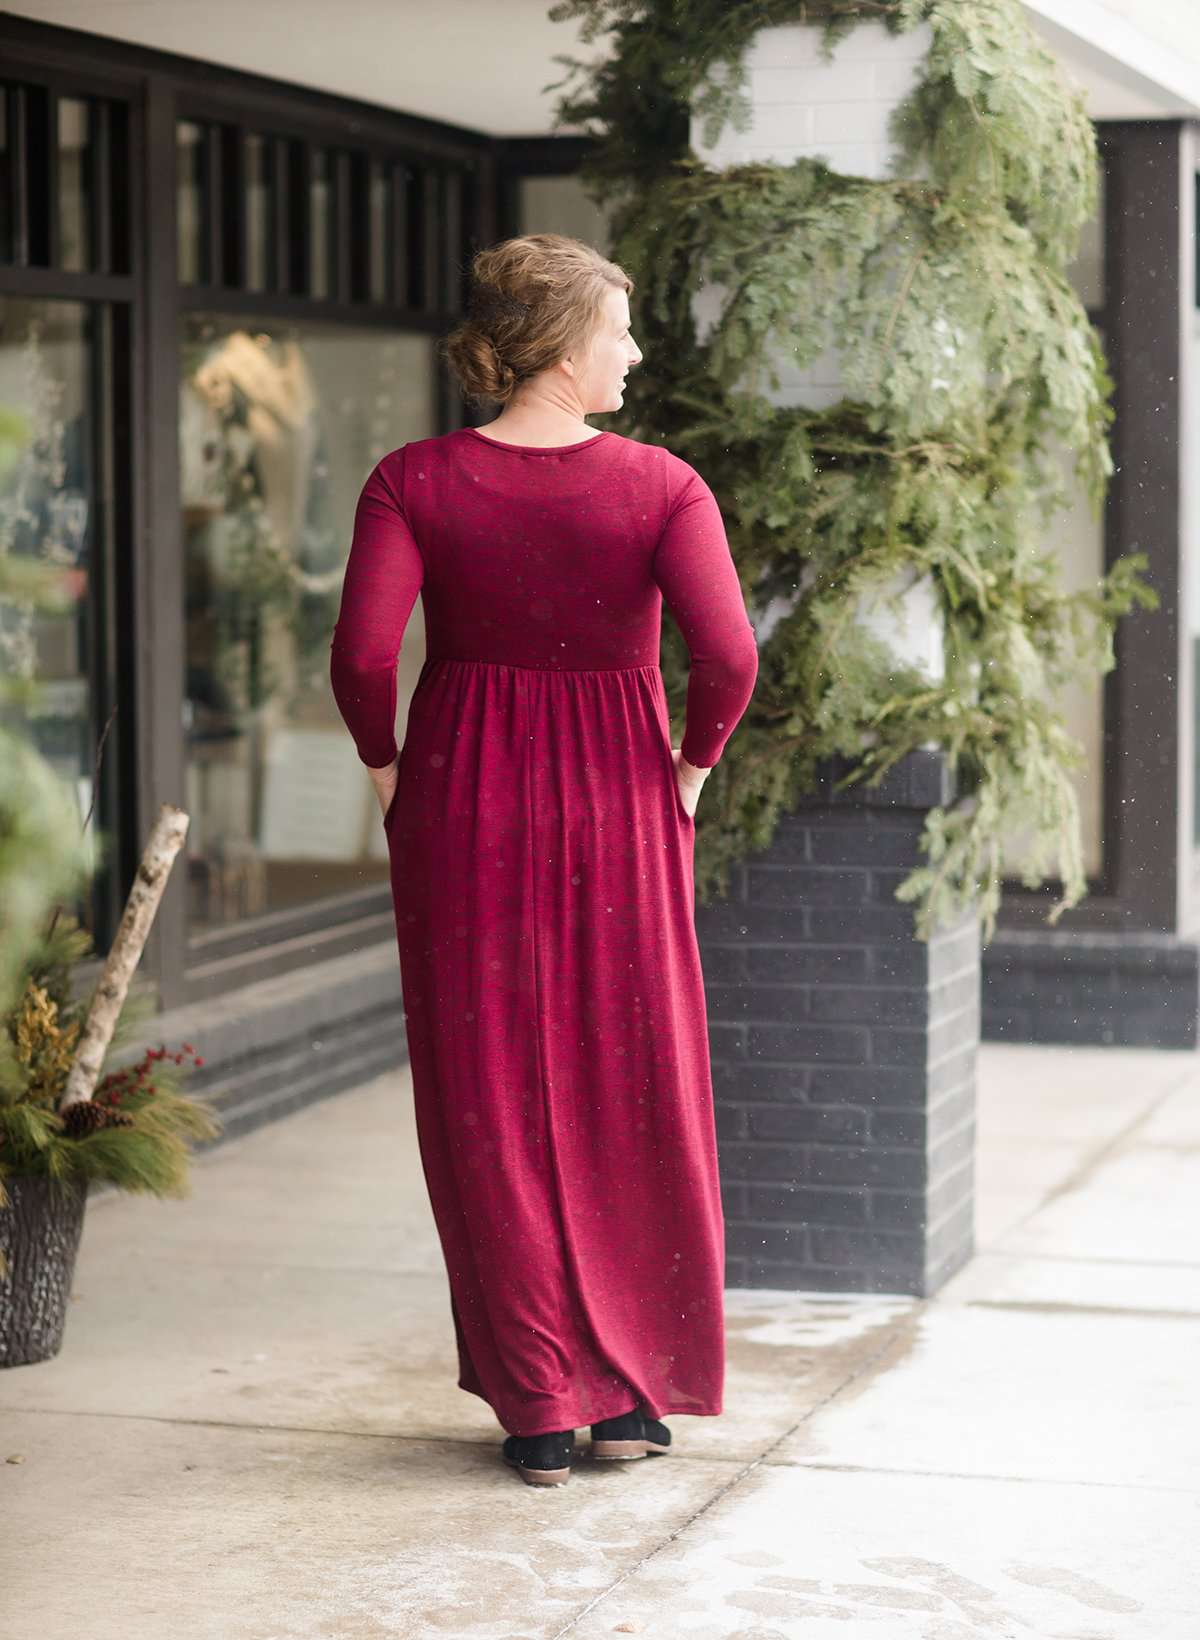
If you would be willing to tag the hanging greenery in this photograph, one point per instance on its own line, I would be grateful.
(970, 369)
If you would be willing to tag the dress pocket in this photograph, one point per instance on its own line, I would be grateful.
(680, 812)
(391, 808)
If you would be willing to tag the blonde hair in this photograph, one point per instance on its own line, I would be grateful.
(534, 299)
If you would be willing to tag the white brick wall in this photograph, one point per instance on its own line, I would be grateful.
(807, 107)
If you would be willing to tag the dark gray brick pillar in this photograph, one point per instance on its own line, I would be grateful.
(843, 1051)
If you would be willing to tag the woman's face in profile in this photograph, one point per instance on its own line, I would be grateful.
(612, 355)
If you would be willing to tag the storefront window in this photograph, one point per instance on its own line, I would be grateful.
(279, 427)
(46, 514)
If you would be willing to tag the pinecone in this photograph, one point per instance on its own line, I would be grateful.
(86, 1116)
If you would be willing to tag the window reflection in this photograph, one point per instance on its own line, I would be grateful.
(46, 514)
(279, 428)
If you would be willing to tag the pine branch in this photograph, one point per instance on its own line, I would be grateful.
(967, 358)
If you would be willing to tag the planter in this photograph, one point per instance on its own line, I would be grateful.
(843, 1050)
(40, 1228)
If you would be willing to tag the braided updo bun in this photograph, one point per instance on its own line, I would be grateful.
(533, 300)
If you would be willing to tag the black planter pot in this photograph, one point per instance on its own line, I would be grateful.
(843, 1049)
(40, 1227)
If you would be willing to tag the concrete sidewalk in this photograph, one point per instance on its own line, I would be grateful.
(253, 1430)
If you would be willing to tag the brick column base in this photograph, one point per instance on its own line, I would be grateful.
(843, 1052)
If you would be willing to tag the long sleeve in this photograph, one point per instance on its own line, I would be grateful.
(699, 583)
(384, 573)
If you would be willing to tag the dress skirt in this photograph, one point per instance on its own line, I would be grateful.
(542, 877)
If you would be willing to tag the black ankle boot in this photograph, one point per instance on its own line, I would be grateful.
(631, 1435)
(541, 1460)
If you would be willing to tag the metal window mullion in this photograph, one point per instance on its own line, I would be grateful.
(36, 173)
(294, 251)
(121, 535)
(122, 192)
(100, 190)
(50, 198)
(303, 251)
(432, 250)
(19, 194)
(467, 236)
(234, 207)
(274, 150)
(449, 286)
(391, 267)
(212, 241)
(359, 228)
(6, 189)
(102, 664)
(157, 572)
(400, 286)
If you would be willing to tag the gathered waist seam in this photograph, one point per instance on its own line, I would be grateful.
(520, 666)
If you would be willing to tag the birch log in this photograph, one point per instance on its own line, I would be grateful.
(165, 841)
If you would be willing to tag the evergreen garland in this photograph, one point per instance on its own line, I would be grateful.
(969, 364)
(137, 1130)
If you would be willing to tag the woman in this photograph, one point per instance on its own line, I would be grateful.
(540, 829)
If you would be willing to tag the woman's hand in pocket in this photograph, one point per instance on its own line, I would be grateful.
(689, 779)
(384, 780)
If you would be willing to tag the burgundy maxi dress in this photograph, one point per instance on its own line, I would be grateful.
(542, 877)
